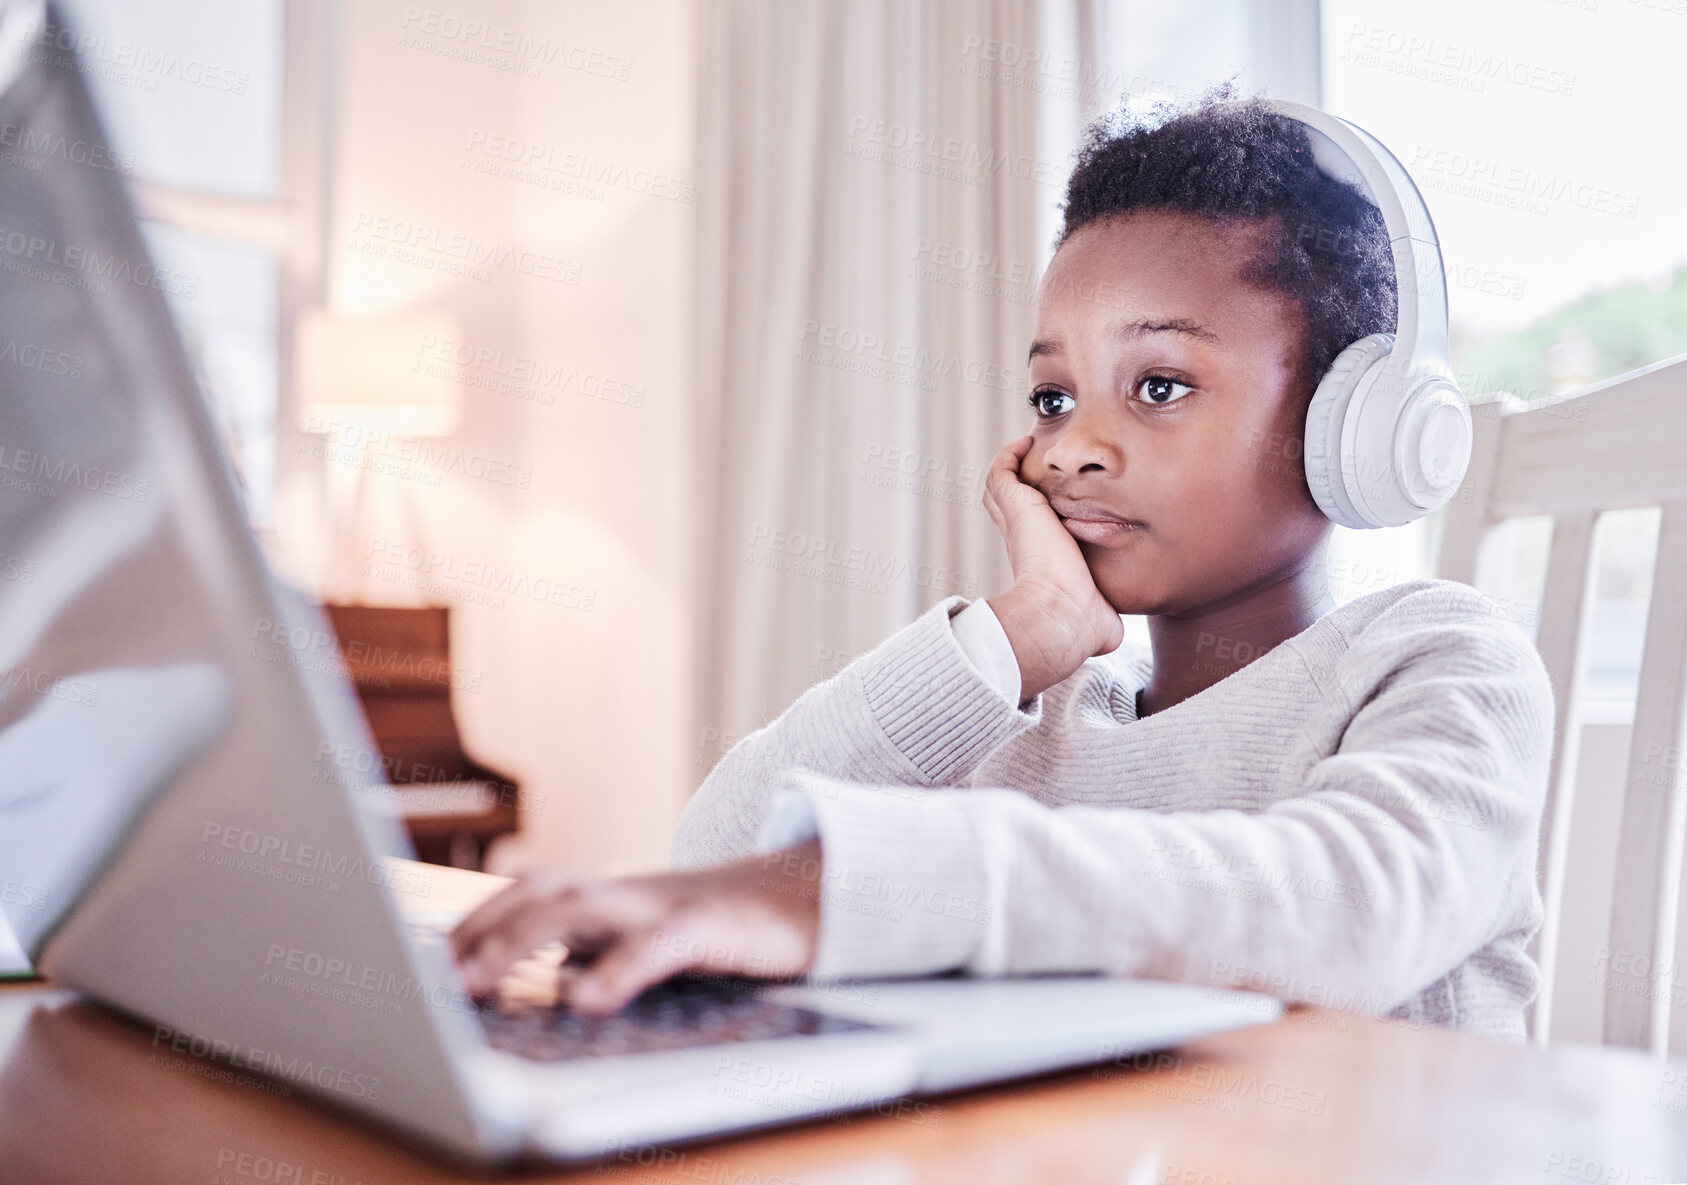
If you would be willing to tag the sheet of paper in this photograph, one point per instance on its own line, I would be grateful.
(12, 959)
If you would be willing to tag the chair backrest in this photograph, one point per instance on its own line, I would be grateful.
(1619, 444)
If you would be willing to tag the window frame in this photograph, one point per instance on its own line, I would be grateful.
(291, 224)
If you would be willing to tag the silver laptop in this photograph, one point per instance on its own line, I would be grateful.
(187, 833)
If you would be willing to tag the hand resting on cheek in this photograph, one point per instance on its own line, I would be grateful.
(1054, 615)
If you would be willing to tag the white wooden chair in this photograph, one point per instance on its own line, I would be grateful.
(1614, 445)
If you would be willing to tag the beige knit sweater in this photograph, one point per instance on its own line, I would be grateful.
(1351, 819)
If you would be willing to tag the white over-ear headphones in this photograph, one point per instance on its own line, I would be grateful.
(1388, 432)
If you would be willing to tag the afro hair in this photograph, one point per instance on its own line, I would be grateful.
(1229, 161)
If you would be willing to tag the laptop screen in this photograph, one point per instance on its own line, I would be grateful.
(107, 687)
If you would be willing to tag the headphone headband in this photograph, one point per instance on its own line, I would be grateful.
(1351, 154)
(1388, 433)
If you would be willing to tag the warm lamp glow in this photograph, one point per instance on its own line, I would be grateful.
(362, 372)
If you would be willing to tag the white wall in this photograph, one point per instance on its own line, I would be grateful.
(588, 708)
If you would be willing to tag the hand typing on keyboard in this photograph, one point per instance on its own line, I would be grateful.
(758, 916)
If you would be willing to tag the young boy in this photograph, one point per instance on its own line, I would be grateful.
(1332, 804)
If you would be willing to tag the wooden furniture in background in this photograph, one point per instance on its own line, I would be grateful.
(400, 662)
(1615, 445)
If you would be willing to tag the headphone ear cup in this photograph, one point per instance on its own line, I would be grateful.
(1326, 415)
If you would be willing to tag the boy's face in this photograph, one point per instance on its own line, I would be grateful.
(1192, 430)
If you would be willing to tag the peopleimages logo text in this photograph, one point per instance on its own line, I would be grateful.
(70, 473)
(91, 261)
(267, 1061)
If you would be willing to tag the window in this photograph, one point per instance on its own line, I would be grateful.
(214, 108)
(1530, 130)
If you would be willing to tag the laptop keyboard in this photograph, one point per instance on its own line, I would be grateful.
(686, 1011)
(679, 1013)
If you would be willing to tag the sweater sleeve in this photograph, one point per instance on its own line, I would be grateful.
(980, 633)
(1379, 875)
(915, 710)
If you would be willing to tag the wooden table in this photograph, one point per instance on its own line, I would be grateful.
(1316, 1097)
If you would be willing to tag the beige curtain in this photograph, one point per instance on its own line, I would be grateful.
(868, 186)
